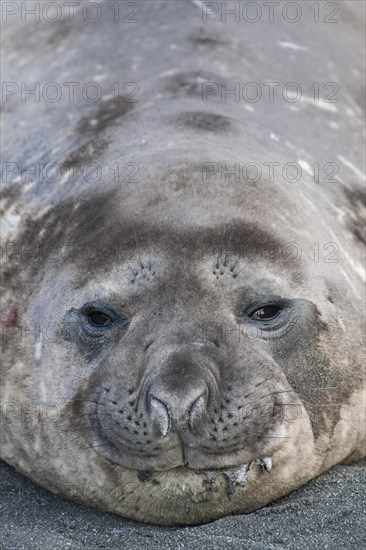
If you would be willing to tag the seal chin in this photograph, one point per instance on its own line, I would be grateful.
(235, 476)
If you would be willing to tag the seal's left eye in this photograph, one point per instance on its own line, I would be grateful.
(99, 319)
(265, 313)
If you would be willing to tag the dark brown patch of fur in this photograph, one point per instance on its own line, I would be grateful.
(104, 115)
(207, 122)
(357, 223)
(200, 37)
(88, 152)
(189, 83)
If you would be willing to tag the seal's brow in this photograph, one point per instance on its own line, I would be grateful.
(101, 225)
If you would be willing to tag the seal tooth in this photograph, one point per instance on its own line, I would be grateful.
(266, 463)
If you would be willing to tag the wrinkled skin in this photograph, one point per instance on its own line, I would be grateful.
(138, 374)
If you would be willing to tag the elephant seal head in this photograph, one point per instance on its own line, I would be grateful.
(176, 365)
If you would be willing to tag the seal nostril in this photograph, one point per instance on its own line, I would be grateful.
(196, 412)
(161, 415)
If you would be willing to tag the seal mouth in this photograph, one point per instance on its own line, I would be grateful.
(235, 475)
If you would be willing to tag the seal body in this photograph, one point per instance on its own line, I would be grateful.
(182, 311)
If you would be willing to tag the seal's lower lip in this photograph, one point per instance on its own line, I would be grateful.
(236, 475)
(265, 462)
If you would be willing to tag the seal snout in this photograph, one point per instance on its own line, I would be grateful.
(186, 409)
(183, 412)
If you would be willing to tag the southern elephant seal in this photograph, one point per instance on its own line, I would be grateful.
(182, 311)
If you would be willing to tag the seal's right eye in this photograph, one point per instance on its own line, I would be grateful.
(99, 319)
(266, 313)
